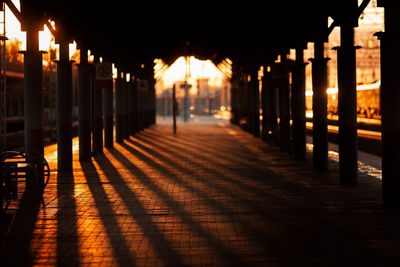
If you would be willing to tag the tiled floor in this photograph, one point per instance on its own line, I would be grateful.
(211, 195)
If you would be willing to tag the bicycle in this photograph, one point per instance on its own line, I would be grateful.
(17, 169)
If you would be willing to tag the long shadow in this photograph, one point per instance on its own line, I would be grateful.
(286, 185)
(16, 248)
(157, 239)
(199, 144)
(260, 236)
(224, 150)
(116, 237)
(281, 184)
(183, 141)
(222, 250)
(238, 156)
(175, 155)
(203, 194)
(67, 234)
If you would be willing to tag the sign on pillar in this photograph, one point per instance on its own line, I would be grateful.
(142, 87)
(280, 71)
(104, 75)
(142, 108)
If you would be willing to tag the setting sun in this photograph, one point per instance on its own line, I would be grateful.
(198, 70)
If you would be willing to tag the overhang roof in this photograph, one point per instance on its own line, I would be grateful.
(129, 32)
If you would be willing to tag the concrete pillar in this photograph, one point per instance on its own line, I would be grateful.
(131, 129)
(108, 119)
(84, 84)
(242, 102)
(234, 96)
(119, 105)
(174, 109)
(347, 107)
(33, 104)
(266, 87)
(153, 101)
(126, 108)
(249, 104)
(390, 108)
(319, 106)
(135, 107)
(97, 118)
(138, 106)
(284, 106)
(64, 108)
(141, 105)
(255, 102)
(233, 118)
(299, 106)
(272, 111)
(246, 103)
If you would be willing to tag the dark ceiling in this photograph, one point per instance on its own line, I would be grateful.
(130, 32)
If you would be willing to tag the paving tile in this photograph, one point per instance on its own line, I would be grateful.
(211, 195)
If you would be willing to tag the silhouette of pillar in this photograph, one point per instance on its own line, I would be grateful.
(130, 107)
(151, 94)
(299, 105)
(108, 119)
(135, 107)
(347, 105)
(254, 92)
(126, 108)
(284, 106)
(64, 108)
(234, 96)
(266, 87)
(33, 104)
(84, 105)
(390, 108)
(97, 118)
(141, 105)
(153, 103)
(272, 109)
(319, 107)
(233, 118)
(249, 103)
(119, 105)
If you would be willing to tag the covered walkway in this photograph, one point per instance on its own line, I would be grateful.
(210, 195)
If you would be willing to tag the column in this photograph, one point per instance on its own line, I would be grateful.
(266, 87)
(347, 107)
(390, 108)
(84, 106)
(126, 108)
(64, 108)
(108, 119)
(255, 102)
(33, 104)
(299, 106)
(97, 118)
(272, 110)
(319, 107)
(284, 106)
(119, 105)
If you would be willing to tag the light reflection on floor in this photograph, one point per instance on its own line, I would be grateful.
(362, 167)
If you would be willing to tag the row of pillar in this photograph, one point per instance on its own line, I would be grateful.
(135, 107)
(275, 103)
(283, 107)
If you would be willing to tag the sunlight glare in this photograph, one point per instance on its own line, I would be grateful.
(198, 68)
